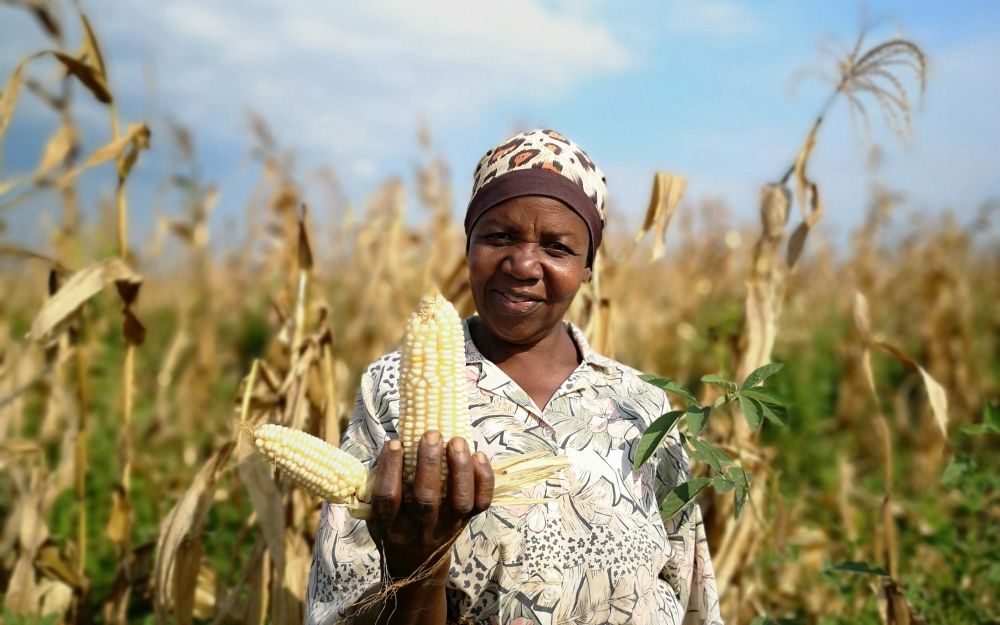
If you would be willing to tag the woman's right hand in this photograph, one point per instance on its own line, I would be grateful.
(410, 525)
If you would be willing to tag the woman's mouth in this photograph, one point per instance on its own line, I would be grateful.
(515, 304)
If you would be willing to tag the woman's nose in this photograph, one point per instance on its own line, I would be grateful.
(523, 263)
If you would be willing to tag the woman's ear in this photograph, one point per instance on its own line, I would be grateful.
(587, 274)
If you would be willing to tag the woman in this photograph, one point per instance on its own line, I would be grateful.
(598, 551)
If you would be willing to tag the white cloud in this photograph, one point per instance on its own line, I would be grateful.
(713, 18)
(352, 78)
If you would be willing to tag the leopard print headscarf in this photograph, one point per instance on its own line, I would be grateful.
(541, 162)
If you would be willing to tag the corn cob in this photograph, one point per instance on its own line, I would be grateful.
(432, 388)
(338, 477)
(314, 464)
(432, 397)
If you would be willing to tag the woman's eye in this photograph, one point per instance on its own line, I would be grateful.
(498, 237)
(559, 249)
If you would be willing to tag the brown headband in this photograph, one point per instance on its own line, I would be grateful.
(536, 181)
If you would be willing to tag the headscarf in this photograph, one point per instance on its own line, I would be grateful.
(541, 162)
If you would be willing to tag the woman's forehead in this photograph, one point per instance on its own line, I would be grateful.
(535, 211)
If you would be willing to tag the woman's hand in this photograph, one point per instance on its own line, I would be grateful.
(409, 526)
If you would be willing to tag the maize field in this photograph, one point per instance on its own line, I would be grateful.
(130, 491)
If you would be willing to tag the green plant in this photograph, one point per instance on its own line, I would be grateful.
(755, 402)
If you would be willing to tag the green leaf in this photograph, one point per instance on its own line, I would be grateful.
(991, 415)
(763, 408)
(861, 568)
(990, 424)
(955, 472)
(775, 414)
(738, 475)
(740, 500)
(681, 496)
(696, 417)
(760, 374)
(670, 385)
(978, 429)
(722, 484)
(762, 395)
(721, 382)
(753, 411)
(653, 435)
(709, 454)
(763, 620)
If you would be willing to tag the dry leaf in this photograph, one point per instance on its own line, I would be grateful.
(204, 593)
(22, 593)
(86, 74)
(797, 241)
(57, 149)
(9, 96)
(10, 91)
(12, 449)
(936, 394)
(51, 563)
(80, 287)
(136, 133)
(862, 320)
(54, 597)
(258, 594)
(91, 50)
(802, 182)
(6, 186)
(126, 162)
(289, 598)
(774, 202)
(46, 19)
(304, 249)
(186, 569)
(188, 513)
(256, 477)
(119, 524)
(21, 596)
(666, 195)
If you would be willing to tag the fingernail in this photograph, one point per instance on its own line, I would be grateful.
(394, 445)
(481, 458)
(433, 437)
(458, 444)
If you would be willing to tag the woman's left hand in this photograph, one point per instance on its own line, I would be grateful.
(411, 526)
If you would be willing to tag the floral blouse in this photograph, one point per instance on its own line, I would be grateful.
(597, 552)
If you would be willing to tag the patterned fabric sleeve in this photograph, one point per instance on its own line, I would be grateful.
(345, 560)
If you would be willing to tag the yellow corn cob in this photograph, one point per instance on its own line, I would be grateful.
(432, 388)
(314, 464)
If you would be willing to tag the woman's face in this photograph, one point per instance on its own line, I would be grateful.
(527, 259)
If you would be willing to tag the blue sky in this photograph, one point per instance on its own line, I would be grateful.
(698, 88)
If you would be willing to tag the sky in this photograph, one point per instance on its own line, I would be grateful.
(705, 89)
